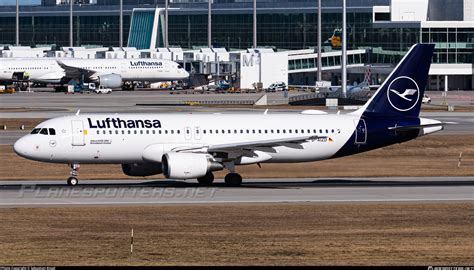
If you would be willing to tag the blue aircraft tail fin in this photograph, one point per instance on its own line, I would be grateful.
(402, 92)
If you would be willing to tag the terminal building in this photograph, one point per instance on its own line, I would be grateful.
(379, 32)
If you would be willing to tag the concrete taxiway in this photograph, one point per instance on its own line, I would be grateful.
(126, 192)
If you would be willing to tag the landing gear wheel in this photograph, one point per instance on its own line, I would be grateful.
(72, 181)
(206, 179)
(233, 180)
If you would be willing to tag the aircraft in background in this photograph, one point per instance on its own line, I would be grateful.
(110, 73)
(193, 146)
(360, 90)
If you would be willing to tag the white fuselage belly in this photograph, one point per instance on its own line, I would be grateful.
(116, 145)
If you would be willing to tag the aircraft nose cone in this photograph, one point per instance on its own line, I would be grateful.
(185, 74)
(21, 147)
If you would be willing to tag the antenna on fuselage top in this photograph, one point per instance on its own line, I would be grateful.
(266, 111)
(78, 112)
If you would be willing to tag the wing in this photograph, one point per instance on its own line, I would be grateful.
(75, 72)
(232, 151)
(262, 143)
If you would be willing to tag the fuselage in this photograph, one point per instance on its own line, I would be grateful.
(48, 70)
(38, 70)
(123, 138)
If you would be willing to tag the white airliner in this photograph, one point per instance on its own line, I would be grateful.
(106, 72)
(190, 146)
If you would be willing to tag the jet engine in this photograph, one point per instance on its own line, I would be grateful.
(110, 80)
(146, 169)
(188, 165)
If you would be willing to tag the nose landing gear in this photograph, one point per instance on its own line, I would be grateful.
(72, 180)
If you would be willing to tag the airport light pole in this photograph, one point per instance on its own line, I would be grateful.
(319, 43)
(121, 25)
(71, 40)
(166, 24)
(209, 23)
(254, 24)
(17, 23)
(344, 50)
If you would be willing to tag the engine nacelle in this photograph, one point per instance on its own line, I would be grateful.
(146, 169)
(110, 80)
(188, 165)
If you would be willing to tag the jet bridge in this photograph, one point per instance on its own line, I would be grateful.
(307, 61)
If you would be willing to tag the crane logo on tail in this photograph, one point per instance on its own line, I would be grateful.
(403, 93)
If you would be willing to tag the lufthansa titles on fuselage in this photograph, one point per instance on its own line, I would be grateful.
(146, 64)
(119, 123)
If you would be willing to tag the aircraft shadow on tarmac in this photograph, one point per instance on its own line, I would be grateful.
(280, 184)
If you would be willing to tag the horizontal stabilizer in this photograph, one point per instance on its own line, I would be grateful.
(417, 127)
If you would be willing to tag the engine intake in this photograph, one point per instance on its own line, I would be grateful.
(188, 165)
(146, 169)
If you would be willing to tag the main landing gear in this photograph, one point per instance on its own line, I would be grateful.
(72, 180)
(231, 179)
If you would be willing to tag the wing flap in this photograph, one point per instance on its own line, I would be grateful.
(262, 143)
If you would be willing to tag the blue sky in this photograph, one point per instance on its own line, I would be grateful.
(22, 2)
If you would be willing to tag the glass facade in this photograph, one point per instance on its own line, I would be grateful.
(142, 26)
(453, 45)
(286, 31)
(278, 27)
(100, 31)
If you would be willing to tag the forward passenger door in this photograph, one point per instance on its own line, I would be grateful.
(78, 136)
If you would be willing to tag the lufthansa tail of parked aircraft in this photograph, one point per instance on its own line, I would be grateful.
(192, 146)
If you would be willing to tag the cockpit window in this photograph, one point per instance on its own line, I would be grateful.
(52, 131)
(35, 131)
(180, 67)
(44, 131)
